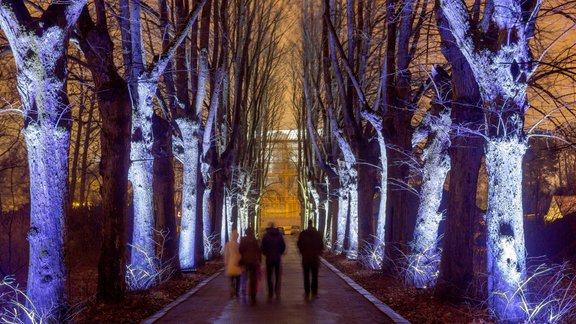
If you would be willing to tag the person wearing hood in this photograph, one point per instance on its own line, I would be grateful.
(232, 263)
(273, 247)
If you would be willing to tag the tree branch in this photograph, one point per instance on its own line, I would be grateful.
(158, 67)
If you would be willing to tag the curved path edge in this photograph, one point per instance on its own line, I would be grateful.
(395, 317)
(180, 299)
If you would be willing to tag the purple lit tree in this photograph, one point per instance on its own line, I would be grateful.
(143, 82)
(497, 50)
(39, 47)
(434, 129)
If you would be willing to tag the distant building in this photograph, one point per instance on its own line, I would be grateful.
(560, 206)
(280, 202)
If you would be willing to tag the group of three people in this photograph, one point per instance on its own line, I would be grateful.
(246, 256)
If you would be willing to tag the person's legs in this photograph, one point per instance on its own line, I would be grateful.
(278, 272)
(269, 270)
(235, 284)
(314, 285)
(252, 281)
(231, 283)
(306, 279)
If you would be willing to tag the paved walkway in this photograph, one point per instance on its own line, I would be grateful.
(337, 302)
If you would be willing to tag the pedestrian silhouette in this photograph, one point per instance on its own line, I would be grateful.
(310, 245)
(232, 261)
(273, 247)
(250, 260)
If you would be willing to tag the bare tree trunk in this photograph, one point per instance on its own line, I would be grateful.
(39, 47)
(164, 206)
(82, 194)
(503, 90)
(76, 152)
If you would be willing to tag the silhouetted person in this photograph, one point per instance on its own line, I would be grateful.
(232, 261)
(273, 247)
(250, 252)
(311, 245)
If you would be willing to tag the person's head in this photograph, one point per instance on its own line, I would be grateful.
(310, 224)
(234, 235)
(271, 225)
(249, 231)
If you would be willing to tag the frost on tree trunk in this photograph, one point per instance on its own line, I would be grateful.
(425, 256)
(505, 227)
(190, 159)
(48, 164)
(143, 249)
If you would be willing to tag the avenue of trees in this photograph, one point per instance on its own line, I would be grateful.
(161, 114)
(402, 103)
(147, 89)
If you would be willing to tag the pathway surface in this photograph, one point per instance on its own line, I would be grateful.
(337, 302)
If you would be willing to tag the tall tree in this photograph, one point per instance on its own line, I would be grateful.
(114, 104)
(39, 47)
(500, 58)
(143, 83)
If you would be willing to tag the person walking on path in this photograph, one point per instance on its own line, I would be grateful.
(232, 262)
(273, 247)
(250, 260)
(310, 244)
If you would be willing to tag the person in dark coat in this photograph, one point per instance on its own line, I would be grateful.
(250, 259)
(273, 247)
(311, 245)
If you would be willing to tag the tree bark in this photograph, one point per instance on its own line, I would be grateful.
(164, 207)
(39, 47)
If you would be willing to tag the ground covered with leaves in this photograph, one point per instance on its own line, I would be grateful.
(138, 306)
(416, 305)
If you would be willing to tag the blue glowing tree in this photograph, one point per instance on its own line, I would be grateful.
(143, 80)
(499, 56)
(434, 129)
(39, 46)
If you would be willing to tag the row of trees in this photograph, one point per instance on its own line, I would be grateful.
(387, 115)
(194, 83)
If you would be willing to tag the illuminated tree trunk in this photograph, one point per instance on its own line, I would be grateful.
(425, 256)
(316, 204)
(188, 249)
(435, 128)
(502, 66)
(48, 164)
(505, 226)
(39, 47)
(141, 176)
(380, 240)
(144, 82)
(206, 224)
(341, 217)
